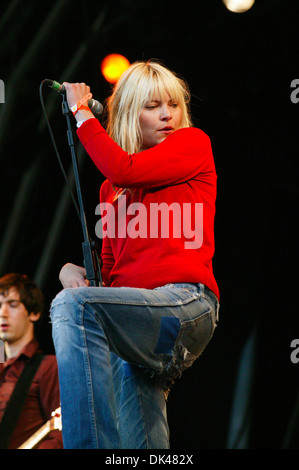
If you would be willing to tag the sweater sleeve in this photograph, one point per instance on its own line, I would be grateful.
(180, 157)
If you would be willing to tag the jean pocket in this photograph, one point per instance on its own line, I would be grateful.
(195, 334)
(193, 337)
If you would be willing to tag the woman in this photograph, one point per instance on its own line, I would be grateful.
(120, 347)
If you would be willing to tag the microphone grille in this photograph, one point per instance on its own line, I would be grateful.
(95, 107)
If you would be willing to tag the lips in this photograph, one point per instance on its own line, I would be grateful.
(166, 130)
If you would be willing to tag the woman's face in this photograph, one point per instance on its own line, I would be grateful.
(159, 118)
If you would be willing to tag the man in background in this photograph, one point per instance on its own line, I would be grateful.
(21, 306)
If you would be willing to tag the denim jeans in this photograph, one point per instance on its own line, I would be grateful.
(118, 352)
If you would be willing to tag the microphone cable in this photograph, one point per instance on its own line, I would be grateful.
(55, 146)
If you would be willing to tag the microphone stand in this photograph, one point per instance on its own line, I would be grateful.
(90, 256)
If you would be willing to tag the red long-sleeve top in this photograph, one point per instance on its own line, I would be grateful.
(180, 172)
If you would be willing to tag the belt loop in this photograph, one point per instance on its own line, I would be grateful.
(217, 306)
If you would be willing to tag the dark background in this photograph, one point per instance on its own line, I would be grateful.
(243, 391)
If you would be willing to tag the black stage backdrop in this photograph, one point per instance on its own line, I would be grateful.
(243, 391)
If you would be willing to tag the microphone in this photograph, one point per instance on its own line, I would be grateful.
(95, 106)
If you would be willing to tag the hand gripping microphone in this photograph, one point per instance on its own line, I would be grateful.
(95, 106)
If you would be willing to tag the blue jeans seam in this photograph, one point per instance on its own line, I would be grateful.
(88, 377)
(137, 304)
(110, 300)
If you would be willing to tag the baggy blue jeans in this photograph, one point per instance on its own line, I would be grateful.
(118, 352)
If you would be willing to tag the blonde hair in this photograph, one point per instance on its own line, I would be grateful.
(137, 85)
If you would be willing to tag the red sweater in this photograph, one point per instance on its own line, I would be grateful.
(179, 171)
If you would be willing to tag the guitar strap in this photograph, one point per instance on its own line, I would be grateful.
(14, 406)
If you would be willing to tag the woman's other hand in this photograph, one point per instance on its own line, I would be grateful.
(73, 276)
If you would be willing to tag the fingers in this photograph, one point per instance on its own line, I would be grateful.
(72, 276)
(75, 92)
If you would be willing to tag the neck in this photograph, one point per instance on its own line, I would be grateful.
(14, 348)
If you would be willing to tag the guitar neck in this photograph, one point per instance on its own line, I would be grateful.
(53, 424)
(37, 437)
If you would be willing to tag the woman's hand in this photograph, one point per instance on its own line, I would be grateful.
(74, 93)
(73, 276)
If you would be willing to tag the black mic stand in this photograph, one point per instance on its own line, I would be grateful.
(90, 256)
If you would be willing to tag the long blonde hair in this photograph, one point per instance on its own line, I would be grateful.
(137, 85)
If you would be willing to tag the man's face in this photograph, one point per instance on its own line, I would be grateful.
(15, 320)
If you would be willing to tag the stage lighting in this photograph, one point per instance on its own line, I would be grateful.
(238, 6)
(113, 66)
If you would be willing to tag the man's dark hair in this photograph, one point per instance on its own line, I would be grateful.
(30, 295)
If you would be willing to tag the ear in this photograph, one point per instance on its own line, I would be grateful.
(34, 316)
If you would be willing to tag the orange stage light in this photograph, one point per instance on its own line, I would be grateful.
(113, 66)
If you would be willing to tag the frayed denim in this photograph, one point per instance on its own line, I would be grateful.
(118, 351)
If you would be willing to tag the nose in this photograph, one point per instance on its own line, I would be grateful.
(165, 113)
(3, 310)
